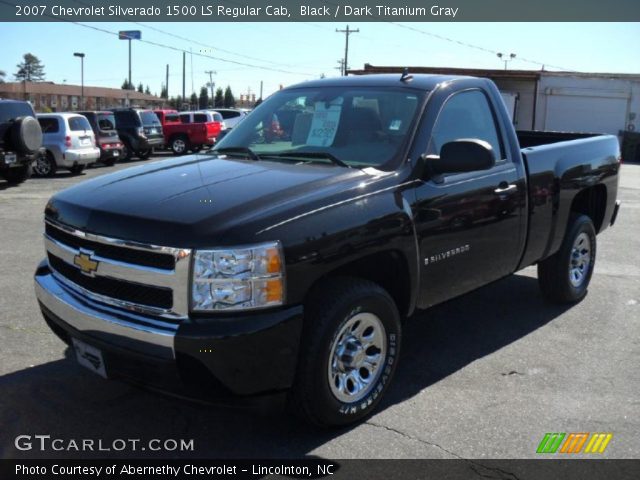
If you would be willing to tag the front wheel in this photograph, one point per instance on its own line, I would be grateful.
(564, 277)
(349, 352)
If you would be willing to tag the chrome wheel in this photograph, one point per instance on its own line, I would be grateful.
(580, 259)
(179, 146)
(43, 165)
(357, 357)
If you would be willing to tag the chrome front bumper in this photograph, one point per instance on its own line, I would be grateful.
(136, 332)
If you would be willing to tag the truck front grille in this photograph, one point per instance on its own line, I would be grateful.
(123, 254)
(158, 297)
(144, 278)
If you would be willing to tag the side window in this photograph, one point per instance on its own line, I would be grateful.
(200, 118)
(185, 118)
(466, 115)
(49, 125)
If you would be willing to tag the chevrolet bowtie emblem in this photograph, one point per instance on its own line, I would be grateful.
(83, 260)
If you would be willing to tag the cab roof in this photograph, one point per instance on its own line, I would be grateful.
(418, 81)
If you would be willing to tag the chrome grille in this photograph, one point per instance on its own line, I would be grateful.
(147, 279)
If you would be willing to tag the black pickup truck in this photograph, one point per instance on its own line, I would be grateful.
(287, 258)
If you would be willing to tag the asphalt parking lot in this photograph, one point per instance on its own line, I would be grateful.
(484, 376)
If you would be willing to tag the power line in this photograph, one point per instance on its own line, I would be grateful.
(476, 47)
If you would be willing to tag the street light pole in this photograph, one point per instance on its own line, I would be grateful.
(81, 56)
(505, 58)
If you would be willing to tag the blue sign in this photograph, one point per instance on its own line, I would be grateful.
(130, 35)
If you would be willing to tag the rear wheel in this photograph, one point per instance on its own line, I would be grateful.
(564, 277)
(77, 169)
(45, 165)
(127, 152)
(349, 352)
(144, 154)
(179, 145)
(17, 175)
(109, 162)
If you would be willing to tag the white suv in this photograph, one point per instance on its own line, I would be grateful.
(69, 143)
(232, 116)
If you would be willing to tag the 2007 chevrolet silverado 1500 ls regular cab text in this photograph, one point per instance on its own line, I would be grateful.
(286, 261)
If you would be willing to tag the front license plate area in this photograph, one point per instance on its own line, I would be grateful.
(89, 357)
(10, 159)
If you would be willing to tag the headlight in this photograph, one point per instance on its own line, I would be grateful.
(238, 278)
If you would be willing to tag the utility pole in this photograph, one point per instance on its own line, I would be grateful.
(184, 73)
(340, 66)
(346, 32)
(81, 56)
(260, 89)
(166, 82)
(212, 85)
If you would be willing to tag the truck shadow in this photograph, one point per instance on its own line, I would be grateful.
(63, 400)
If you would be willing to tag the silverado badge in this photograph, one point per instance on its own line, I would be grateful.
(87, 266)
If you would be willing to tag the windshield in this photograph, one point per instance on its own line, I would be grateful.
(149, 118)
(358, 126)
(106, 121)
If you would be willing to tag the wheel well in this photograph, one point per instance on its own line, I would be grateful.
(388, 269)
(592, 202)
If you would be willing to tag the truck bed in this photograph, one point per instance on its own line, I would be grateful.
(558, 165)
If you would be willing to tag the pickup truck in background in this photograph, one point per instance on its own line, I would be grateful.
(190, 131)
(288, 264)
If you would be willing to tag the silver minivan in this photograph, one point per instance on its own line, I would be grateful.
(69, 143)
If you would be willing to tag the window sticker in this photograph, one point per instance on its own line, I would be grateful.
(324, 124)
(395, 124)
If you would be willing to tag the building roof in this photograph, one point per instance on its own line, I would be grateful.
(50, 88)
(491, 73)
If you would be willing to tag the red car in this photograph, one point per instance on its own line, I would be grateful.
(189, 130)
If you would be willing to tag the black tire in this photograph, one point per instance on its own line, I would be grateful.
(564, 277)
(179, 145)
(144, 154)
(45, 165)
(26, 135)
(331, 308)
(17, 175)
(127, 152)
(109, 162)
(77, 169)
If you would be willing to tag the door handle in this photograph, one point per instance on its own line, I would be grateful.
(505, 187)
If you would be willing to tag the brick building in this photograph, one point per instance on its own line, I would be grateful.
(63, 98)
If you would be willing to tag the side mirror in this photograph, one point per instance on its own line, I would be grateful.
(459, 156)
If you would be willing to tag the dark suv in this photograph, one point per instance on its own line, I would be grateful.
(140, 131)
(103, 125)
(20, 140)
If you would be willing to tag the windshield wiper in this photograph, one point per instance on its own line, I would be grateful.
(311, 155)
(247, 151)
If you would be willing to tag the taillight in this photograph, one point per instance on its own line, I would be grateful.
(67, 141)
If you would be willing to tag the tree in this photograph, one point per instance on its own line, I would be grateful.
(140, 88)
(164, 93)
(30, 69)
(147, 90)
(229, 99)
(219, 99)
(203, 100)
(193, 100)
(127, 86)
(2, 75)
(258, 102)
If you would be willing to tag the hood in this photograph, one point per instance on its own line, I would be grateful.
(191, 201)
